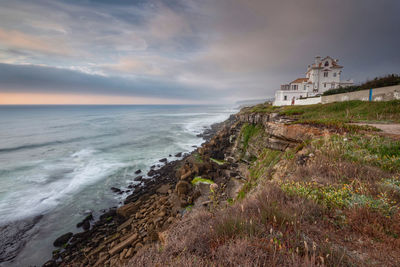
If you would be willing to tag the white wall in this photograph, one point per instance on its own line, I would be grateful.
(308, 101)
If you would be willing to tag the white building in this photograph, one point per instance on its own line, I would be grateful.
(321, 76)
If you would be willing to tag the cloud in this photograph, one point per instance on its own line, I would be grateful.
(191, 49)
(42, 79)
(19, 40)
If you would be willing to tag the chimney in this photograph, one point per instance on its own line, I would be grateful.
(317, 60)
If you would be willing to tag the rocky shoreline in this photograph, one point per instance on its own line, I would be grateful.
(150, 208)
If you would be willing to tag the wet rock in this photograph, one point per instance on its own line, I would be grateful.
(178, 155)
(138, 179)
(85, 223)
(138, 171)
(50, 263)
(62, 239)
(151, 173)
(115, 190)
(163, 160)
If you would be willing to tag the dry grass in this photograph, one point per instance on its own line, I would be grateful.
(327, 210)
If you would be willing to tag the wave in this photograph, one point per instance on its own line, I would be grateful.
(52, 143)
(58, 188)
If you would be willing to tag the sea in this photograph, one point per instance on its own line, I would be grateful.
(58, 163)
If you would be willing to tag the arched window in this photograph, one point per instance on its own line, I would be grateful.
(326, 63)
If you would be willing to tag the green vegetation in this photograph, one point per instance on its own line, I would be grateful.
(198, 158)
(198, 180)
(336, 115)
(219, 162)
(337, 196)
(263, 108)
(248, 131)
(388, 80)
(372, 150)
(348, 111)
(260, 169)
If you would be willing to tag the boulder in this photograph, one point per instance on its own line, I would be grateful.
(62, 239)
(138, 171)
(163, 160)
(182, 188)
(138, 179)
(163, 189)
(129, 209)
(178, 155)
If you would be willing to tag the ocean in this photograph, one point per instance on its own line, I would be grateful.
(58, 163)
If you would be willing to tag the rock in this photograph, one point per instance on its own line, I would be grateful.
(169, 155)
(163, 160)
(101, 260)
(85, 223)
(129, 209)
(153, 166)
(162, 236)
(119, 247)
(163, 189)
(122, 254)
(138, 171)
(186, 175)
(115, 190)
(178, 155)
(182, 188)
(138, 179)
(151, 172)
(62, 239)
(129, 253)
(138, 246)
(50, 263)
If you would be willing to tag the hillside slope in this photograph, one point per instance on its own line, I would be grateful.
(290, 192)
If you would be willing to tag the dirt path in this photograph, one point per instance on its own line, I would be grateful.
(391, 130)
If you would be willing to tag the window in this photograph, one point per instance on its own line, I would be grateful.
(334, 74)
(294, 86)
(326, 64)
(305, 87)
(324, 84)
(285, 97)
(325, 74)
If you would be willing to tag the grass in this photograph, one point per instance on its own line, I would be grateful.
(337, 207)
(372, 150)
(339, 114)
(260, 169)
(347, 111)
(219, 162)
(198, 158)
(248, 131)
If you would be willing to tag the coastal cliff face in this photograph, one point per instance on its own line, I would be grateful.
(262, 191)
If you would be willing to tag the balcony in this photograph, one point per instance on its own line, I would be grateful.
(285, 87)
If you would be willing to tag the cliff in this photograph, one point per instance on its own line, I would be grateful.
(267, 189)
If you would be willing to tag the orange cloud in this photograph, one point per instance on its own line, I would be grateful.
(80, 99)
(18, 40)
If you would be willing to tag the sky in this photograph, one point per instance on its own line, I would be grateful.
(185, 51)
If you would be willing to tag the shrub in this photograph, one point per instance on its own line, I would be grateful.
(388, 80)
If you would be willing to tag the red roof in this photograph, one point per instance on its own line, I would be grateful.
(300, 80)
